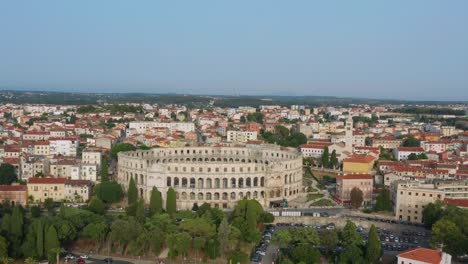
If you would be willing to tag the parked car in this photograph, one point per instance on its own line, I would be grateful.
(80, 261)
(108, 260)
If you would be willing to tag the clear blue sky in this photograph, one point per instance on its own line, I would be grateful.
(414, 49)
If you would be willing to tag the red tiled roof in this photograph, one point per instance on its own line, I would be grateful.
(360, 158)
(423, 255)
(408, 149)
(354, 176)
(77, 182)
(13, 188)
(48, 180)
(456, 202)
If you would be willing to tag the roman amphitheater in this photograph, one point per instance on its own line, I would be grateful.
(219, 176)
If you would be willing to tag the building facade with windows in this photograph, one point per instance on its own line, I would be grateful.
(410, 198)
(220, 176)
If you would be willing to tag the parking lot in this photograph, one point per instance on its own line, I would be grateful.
(394, 237)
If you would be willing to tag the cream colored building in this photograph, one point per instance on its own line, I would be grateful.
(43, 188)
(91, 157)
(410, 199)
(78, 190)
(241, 136)
(219, 176)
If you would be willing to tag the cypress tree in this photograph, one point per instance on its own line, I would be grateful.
(51, 240)
(132, 193)
(40, 238)
(17, 223)
(171, 204)
(373, 249)
(6, 224)
(104, 170)
(155, 201)
(333, 160)
(325, 157)
(140, 211)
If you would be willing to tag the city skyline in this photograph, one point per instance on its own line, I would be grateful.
(367, 50)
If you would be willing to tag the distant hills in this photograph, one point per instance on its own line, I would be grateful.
(49, 97)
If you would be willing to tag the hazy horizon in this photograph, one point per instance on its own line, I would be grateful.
(399, 50)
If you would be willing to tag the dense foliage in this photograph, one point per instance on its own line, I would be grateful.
(283, 137)
(449, 226)
(430, 111)
(7, 174)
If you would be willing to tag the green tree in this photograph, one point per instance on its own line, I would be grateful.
(40, 232)
(49, 204)
(16, 230)
(96, 232)
(333, 160)
(432, 213)
(171, 203)
(104, 170)
(3, 247)
(7, 174)
(373, 249)
(349, 235)
(329, 240)
(325, 157)
(357, 197)
(410, 141)
(140, 211)
(96, 206)
(282, 238)
(109, 191)
(447, 234)
(304, 253)
(383, 201)
(155, 201)
(223, 236)
(121, 147)
(178, 244)
(51, 240)
(132, 192)
(35, 211)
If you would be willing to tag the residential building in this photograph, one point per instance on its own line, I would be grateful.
(424, 256)
(90, 156)
(346, 182)
(386, 142)
(64, 146)
(410, 197)
(359, 164)
(16, 194)
(402, 153)
(78, 190)
(241, 136)
(43, 188)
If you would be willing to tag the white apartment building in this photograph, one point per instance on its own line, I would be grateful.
(241, 136)
(78, 190)
(91, 157)
(31, 166)
(435, 146)
(64, 146)
(402, 153)
(146, 126)
(89, 172)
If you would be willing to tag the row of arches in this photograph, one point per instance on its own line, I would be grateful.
(209, 183)
(219, 196)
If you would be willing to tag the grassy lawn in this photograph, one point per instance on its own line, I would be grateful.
(313, 196)
(320, 174)
(323, 202)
